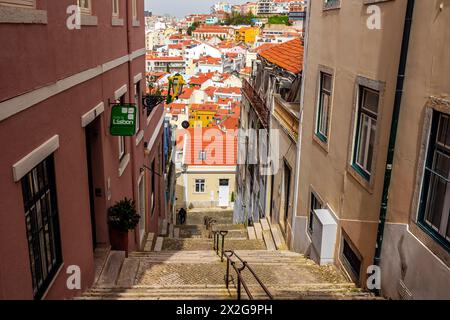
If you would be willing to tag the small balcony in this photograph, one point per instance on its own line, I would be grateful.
(257, 103)
(288, 116)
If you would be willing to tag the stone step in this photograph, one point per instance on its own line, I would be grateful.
(100, 258)
(258, 230)
(251, 233)
(264, 224)
(268, 240)
(277, 237)
(112, 268)
(128, 272)
(192, 244)
(149, 242)
(159, 244)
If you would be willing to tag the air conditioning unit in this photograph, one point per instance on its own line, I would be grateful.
(323, 236)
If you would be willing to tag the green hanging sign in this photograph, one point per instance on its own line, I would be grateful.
(123, 120)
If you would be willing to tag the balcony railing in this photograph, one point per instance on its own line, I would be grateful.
(257, 103)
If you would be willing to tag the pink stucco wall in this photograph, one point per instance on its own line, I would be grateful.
(40, 55)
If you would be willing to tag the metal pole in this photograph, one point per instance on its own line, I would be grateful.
(223, 241)
(227, 281)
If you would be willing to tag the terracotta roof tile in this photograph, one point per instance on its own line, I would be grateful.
(288, 55)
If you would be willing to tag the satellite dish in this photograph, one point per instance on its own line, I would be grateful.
(185, 124)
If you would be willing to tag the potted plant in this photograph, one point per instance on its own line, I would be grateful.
(233, 199)
(122, 217)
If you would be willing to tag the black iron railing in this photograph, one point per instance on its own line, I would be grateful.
(240, 280)
(217, 234)
(257, 103)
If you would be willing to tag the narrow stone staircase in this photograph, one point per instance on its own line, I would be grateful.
(180, 264)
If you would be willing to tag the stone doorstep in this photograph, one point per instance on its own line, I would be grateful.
(277, 237)
(149, 242)
(171, 228)
(251, 233)
(176, 233)
(100, 258)
(268, 240)
(112, 268)
(264, 224)
(128, 272)
(159, 244)
(258, 230)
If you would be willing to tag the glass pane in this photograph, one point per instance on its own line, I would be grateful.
(436, 198)
(323, 125)
(373, 131)
(443, 136)
(370, 101)
(362, 140)
(326, 82)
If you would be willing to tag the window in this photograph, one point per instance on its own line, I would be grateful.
(121, 147)
(202, 155)
(19, 3)
(331, 4)
(85, 6)
(324, 107)
(199, 185)
(314, 204)
(115, 8)
(41, 218)
(153, 186)
(366, 129)
(435, 200)
(351, 259)
(137, 100)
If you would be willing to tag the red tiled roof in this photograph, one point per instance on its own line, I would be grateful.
(210, 91)
(288, 55)
(230, 90)
(220, 147)
(186, 94)
(208, 60)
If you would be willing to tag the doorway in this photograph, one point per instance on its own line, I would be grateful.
(286, 185)
(141, 209)
(224, 191)
(92, 149)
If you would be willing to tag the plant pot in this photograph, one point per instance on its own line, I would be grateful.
(118, 240)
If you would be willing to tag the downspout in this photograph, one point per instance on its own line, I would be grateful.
(393, 133)
(300, 128)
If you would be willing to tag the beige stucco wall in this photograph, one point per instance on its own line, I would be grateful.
(340, 40)
(287, 151)
(212, 175)
(409, 254)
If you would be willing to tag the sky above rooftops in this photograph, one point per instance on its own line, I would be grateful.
(181, 8)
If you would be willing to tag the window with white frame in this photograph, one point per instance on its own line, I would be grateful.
(115, 8)
(199, 185)
(324, 107)
(202, 155)
(19, 3)
(366, 130)
(434, 209)
(121, 147)
(85, 6)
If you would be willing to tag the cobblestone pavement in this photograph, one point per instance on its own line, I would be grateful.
(207, 244)
(279, 275)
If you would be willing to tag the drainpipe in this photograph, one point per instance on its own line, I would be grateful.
(393, 133)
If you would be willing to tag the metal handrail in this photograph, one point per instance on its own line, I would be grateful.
(217, 234)
(241, 282)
